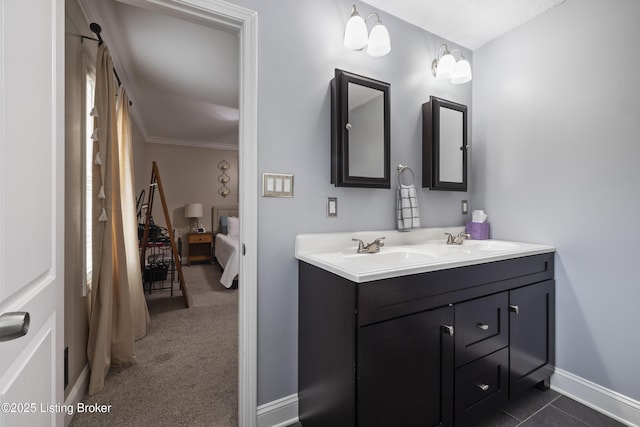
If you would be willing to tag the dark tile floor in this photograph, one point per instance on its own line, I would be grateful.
(538, 408)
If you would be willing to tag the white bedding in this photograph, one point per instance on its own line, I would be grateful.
(227, 253)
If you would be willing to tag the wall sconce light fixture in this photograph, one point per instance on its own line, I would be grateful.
(356, 36)
(224, 178)
(446, 67)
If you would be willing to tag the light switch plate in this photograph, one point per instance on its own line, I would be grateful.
(277, 185)
(332, 206)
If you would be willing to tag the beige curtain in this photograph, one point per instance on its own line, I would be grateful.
(118, 312)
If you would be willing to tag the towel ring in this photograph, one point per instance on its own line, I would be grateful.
(401, 170)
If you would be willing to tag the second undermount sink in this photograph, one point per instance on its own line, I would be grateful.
(490, 245)
(471, 247)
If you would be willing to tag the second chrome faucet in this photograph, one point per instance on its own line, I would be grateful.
(457, 240)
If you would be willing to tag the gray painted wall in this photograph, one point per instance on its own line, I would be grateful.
(300, 45)
(556, 156)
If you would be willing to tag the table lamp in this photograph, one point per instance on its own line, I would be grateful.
(193, 211)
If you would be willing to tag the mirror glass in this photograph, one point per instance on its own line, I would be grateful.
(450, 143)
(360, 136)
(366, 131)
(444, 145)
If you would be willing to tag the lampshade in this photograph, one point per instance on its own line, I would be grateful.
(193, 210)
(461, 72)
(445, 68)
(379, 41)
(355, 33)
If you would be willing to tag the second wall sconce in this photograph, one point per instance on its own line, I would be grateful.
(356, 36)
(224, 178)
(446, 67)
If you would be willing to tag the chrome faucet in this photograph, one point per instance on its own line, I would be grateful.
(457, 240)
(370, 248)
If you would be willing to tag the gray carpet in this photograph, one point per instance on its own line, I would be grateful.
(187, 370)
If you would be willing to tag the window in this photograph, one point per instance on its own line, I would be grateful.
(89, 93)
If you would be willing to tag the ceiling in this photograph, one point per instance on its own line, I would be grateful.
(468, 23)
(183, 76)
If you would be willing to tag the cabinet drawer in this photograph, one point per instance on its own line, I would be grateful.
(481, 327)
(200, 238)
(481, 387)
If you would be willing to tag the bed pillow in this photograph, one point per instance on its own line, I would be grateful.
(233, 224)
(224, 228)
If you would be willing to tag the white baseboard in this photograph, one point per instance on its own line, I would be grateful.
(609, 402)
(77, 393)
(284, 412)
(279, 413)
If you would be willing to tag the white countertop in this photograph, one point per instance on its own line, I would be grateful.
(417, 251)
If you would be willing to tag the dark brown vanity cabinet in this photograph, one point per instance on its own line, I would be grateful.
(434, 349)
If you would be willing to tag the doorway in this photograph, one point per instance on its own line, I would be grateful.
(244, 23)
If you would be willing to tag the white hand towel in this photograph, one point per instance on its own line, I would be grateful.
(407, 207)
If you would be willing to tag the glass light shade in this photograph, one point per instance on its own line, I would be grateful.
(355, 33)
(445, 68)
(462, 72)
(379, 41)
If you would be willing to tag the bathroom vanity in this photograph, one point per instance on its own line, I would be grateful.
(423, 335)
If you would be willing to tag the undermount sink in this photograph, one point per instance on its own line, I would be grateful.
(390, 255)
(403, 253)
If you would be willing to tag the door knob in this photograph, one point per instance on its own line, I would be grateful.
(13, 325)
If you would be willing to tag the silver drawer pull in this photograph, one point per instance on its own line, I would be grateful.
(514, 309)
(483, 326)
(483, 387)
(13, 325)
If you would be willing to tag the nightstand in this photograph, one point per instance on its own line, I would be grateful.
(199, 247)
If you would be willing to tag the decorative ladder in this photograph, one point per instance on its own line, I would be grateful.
(157, 182)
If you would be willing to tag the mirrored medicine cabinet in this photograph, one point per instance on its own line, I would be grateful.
(360, 136)
(444, 145)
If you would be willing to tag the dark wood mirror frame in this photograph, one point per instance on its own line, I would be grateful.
(341, 175)
(432, 176)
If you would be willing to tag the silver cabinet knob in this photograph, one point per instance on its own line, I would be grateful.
(483, 387)
(483, 326)
(447, 329)
(348, 126)
(514, 308)
(13, 325)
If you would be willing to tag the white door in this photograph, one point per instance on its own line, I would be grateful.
(32, 210)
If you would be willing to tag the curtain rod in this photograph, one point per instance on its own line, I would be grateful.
(97, 29)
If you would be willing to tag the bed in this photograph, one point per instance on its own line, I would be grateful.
(225, 226)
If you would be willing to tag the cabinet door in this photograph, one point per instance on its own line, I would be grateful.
(531, 335)
(405, 371)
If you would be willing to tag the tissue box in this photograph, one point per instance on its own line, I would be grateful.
(478, 230)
